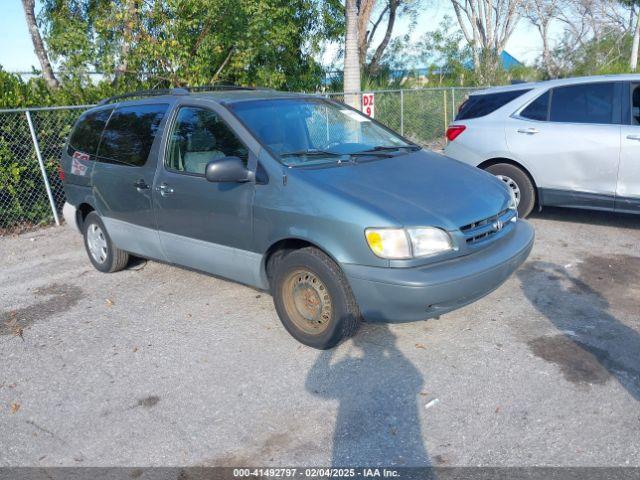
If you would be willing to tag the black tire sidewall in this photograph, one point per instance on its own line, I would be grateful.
(92, 218)
(527, 190)
(335, 286)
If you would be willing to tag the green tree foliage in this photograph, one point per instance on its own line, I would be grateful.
(270, 43)
(448, 60)
(608, 54)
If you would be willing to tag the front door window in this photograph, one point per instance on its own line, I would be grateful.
(198, 137)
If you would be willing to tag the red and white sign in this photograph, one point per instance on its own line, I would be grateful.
(80, 155)
(368, 104)
(77, 167)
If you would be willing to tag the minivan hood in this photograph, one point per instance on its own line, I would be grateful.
(416, 189)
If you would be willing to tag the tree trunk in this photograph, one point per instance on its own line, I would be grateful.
(547, 58)
(374, 65)
(364, 37)
(634, 48)
(38, 44)
(351, 56)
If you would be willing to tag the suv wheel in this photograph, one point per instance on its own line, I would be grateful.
(313, 299)
(519, 183)
(104, 255)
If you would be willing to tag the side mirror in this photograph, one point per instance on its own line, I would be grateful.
(226, 169)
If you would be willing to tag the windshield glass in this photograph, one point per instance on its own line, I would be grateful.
(311, 131)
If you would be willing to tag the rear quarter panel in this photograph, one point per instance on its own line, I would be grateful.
(77, 178)
(483, 139)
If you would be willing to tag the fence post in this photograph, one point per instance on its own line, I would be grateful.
(453, 102)
(444, 97)
(36, 147)
(402, 112)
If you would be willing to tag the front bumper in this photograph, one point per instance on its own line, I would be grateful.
(409, 294)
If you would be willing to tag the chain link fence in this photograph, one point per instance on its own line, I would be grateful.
(31, 142)
(421, 114)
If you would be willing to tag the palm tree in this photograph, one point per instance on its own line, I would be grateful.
(38, 44)
(351, 56)
(633, 62)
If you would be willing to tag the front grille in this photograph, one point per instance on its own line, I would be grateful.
(486, 228)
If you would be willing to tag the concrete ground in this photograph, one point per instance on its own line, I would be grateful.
(157, 365)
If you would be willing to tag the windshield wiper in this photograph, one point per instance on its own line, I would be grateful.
(311, 153)
(386, 148)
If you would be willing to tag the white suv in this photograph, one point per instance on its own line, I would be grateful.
(572, 142)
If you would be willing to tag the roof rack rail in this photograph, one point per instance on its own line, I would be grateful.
(146, 93)
(218, 86)
(175, 91)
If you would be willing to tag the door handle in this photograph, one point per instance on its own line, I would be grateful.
(141, 184)
(633, 137)
(165, 189)
(528, 131)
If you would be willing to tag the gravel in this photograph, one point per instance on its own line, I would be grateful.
(161, 366)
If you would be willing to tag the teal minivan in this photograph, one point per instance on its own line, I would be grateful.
(338, 217)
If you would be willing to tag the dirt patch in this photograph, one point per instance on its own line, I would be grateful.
(148, 402)
(616, 277)
(269, 449)
(577, 364)
(61, 298)
(580, 362)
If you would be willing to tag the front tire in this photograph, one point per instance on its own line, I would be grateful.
(519, 182)
(103, 254)
(313, 299)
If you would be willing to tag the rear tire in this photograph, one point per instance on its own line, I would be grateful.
(103, 254)
(519, 182)
(313, 299)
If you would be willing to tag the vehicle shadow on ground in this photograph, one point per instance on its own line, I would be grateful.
(593, 346)
(591, 217)
(377, 388)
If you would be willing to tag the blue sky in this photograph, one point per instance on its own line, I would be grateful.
(16, 50)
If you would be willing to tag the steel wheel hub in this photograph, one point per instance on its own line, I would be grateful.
(307, 301)
(97, 243)
(512, 185)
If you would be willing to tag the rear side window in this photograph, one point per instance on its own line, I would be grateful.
(480, 105)
(588, 103)
(538, 109)
(85, 137)
(635, 104)
(129, 134)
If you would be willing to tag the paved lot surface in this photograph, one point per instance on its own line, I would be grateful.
(158, 365)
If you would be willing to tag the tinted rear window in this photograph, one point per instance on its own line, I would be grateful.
(130, 132)
(635, 104)
(588, 103)
(480, 105)
(85, 137)
(538, 109)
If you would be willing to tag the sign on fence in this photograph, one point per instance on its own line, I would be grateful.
(368, 104)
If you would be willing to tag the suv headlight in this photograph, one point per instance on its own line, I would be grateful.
(400, 243)
(513, 205)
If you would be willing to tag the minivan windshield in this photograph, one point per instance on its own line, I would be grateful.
(313, 131)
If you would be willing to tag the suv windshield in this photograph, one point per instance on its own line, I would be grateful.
(311, 131)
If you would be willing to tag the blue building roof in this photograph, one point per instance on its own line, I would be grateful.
(508, 62)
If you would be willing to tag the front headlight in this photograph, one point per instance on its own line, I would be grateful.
(429, 241)
(513, 202)
(391, 243)
(399, 243)
(513, 205)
